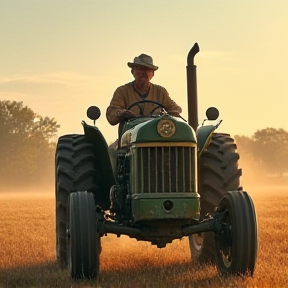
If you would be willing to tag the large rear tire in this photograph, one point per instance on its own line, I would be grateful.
(236, 243)
(83, 240)
(75, 171)
(218, 173)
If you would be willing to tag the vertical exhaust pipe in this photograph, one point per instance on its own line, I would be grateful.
(192, 87)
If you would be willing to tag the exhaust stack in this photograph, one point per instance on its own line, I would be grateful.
(192, 87)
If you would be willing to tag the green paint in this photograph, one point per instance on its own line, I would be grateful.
(150, 206)
(149, 132)
(145, 130)
(204, 134)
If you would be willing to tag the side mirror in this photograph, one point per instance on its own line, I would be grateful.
(93, 113)
(212, 113)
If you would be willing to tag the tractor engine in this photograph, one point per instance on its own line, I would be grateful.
(119, 191)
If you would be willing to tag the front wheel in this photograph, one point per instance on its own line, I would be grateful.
(82, 238)
(236, 242)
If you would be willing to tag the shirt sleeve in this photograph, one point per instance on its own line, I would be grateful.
(117, 103)
(168, 103)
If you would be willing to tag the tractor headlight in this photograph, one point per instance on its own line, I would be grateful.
(166, 128)
(126, 139)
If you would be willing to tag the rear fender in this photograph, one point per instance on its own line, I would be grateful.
(95, 137)
(204, 134)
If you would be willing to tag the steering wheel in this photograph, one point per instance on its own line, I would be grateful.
(146, 101)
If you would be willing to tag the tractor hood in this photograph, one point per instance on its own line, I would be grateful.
(164, 128)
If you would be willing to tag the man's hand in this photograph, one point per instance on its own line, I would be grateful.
(125, 115)
(174, 113)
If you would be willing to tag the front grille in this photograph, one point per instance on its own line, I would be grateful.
(164, 169)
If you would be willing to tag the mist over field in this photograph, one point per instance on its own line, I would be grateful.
(252, 178)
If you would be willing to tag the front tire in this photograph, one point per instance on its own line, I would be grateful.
(83, 240)
(236, 243)
(218, 173)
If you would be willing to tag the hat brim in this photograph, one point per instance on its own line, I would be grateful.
(131, 65)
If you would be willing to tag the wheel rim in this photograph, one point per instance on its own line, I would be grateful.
(226, 249)
(226, 256)
(197, 241)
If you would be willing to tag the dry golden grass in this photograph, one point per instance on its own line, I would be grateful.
(27, 250)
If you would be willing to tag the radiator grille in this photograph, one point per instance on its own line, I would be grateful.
(165, 169)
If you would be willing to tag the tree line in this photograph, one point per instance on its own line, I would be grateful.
(28, 143)
(265, 155)
(27, 148)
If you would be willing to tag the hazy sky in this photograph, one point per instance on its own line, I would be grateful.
(59, 57)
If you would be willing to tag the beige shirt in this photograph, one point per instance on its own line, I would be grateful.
(126, 95)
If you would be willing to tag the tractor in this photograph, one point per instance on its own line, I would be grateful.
(168, 178)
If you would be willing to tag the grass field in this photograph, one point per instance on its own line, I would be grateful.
(27, 250)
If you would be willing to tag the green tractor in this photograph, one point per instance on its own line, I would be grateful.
(167, 179)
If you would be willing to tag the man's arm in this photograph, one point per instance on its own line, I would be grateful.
(117, 103)
(171, 106)
(116, 111)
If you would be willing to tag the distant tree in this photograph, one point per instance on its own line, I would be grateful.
(245, 143)
(271, 149)
(266, 149)
(21, 120)
(26, 145)
(248, 160)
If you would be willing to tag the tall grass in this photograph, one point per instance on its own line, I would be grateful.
(27, 251)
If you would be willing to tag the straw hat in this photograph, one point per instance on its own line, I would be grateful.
(143, 60)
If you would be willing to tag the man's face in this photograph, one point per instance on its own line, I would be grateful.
(142, 73)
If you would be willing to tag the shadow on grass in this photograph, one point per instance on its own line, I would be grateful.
(41, 275)
(180, 275)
